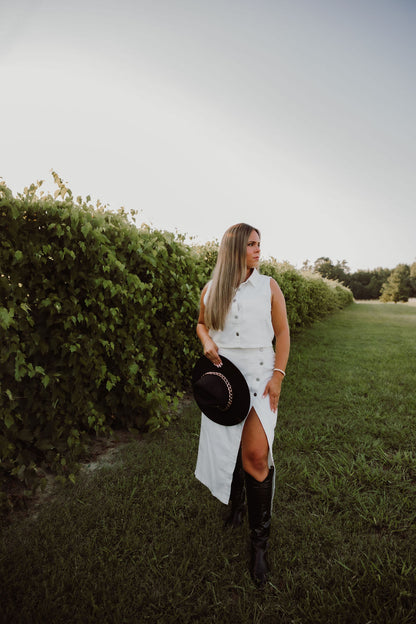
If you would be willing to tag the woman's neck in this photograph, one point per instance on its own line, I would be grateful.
(248, 273)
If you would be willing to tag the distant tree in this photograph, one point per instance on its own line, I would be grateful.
(326, 268)
(367, 284)
(397, 287)
(378, 277)
(358, 284)
(307, 266)
(393, 285)
(413, 280)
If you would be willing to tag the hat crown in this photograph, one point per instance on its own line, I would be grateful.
(215, 390)
(222, 394)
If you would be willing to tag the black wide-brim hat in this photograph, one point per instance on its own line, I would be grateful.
(222, 393)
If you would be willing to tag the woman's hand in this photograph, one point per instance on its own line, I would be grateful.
(273, 389)
(211, 352)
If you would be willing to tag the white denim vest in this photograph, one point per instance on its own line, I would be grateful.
(249, 321)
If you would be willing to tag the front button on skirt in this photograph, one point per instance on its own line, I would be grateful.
(218, 445)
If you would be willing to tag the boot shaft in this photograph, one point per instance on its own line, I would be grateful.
(237, 493)
(237, 509)
(259, 500)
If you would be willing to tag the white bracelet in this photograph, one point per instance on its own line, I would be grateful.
(279, 370)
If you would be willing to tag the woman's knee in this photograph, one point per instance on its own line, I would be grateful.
(255, 459)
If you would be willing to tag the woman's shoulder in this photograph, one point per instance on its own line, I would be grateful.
(271, 283)
(265, 280)
(264, 277)
(276, 290)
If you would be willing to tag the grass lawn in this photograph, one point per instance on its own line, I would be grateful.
(141, 540)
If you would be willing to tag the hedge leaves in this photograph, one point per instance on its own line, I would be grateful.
(97, 324)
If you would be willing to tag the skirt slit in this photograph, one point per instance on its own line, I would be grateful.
(219, 445)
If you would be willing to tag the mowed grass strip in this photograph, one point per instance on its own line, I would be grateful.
(140, 540)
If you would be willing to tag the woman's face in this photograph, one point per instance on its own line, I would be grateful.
(253, 250)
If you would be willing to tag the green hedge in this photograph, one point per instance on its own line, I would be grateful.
(308, 296)
(97, 324)
(96, 327)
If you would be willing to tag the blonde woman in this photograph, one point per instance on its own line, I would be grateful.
(241, 312)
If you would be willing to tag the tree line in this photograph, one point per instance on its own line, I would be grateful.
(398, 284)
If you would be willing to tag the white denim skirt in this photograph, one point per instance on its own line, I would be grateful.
(219, 445)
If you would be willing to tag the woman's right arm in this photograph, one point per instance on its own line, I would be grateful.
(209, 346)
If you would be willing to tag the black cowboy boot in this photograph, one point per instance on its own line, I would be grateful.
(259, 501)
(237, 495)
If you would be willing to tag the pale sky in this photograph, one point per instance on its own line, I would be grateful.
(297, 116)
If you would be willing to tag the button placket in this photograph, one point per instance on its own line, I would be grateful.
(235, 311)
(257, 378)
(235, 316)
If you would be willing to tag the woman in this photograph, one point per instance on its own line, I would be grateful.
(241, 312)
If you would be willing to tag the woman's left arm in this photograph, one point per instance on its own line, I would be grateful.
(282, 334)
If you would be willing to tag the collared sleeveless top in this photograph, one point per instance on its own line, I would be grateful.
(248, 323)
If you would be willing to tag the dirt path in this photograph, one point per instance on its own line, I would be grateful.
(101, 451)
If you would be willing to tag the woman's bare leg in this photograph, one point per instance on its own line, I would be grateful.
(255, 447)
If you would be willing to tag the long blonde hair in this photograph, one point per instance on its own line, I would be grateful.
(229, 272)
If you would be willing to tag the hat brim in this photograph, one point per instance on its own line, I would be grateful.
(240, 405)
